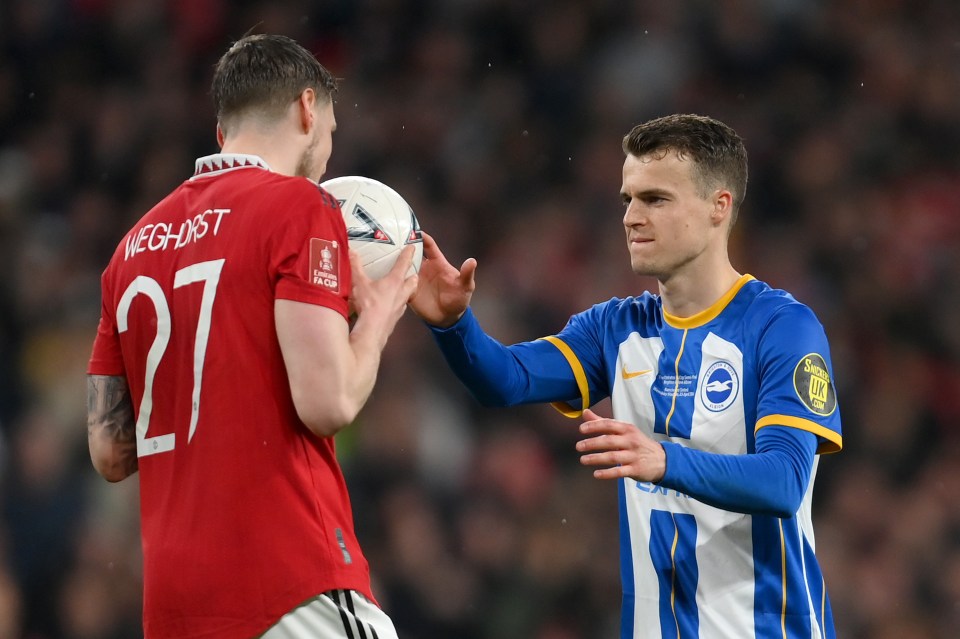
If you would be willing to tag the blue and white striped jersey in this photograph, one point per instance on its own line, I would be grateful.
(709, 382)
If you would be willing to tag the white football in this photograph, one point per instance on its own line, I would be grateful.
(379, 222)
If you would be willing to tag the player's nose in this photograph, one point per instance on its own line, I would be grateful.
(633, 216)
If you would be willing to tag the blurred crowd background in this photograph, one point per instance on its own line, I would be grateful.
(500, 121)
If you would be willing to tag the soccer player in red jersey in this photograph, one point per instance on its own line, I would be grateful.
(224, 363)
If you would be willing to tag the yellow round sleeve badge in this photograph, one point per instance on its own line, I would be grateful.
(811, 380)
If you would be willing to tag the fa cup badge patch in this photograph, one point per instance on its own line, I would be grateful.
(325, 263)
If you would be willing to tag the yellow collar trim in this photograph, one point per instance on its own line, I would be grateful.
(710, 313)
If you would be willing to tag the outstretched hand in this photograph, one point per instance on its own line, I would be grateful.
(443, 292)
(620, 448)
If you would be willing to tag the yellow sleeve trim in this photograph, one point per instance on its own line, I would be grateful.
(833, 443)
(564, 408)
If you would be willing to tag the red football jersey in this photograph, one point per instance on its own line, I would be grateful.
(245, 513)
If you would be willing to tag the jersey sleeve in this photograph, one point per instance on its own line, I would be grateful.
(581, 344)
(309, 255)
(106, 358)
(796, 386)
(770, 482)
(499, 375)
(565, 369)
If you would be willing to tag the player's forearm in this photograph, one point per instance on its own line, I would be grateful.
(498, 375)
(111, 428)
(770, 482)
(367, 348)
(329, 398)
(331, 368)
(479, 362)
(367, 340)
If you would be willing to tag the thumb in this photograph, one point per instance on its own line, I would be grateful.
(410, 287)
(468, 271)
(590, 416)
(404, 260)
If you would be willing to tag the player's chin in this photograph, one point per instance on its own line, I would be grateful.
(643, 267)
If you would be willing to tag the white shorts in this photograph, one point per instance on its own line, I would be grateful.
(338, 614)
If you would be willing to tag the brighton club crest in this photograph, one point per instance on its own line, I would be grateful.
(720, 386)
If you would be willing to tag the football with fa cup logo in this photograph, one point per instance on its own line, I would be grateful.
(379, 222)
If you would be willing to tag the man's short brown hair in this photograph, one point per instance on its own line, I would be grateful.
(262, 74)
(717, 152)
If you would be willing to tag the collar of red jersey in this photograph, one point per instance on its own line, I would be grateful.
(220, 162)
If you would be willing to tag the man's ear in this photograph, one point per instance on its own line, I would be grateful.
(722, 206)
(305, 105)
(220, 136)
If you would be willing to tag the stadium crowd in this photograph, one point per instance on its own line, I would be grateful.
(500, 122)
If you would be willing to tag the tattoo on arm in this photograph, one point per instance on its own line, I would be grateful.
(111, 427)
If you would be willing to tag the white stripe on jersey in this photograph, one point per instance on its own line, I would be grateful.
(723, 546)
(338, 614)
(721, 431)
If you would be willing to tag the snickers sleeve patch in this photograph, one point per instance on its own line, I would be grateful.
(812, 383)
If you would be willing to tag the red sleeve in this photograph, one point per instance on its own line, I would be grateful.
(106, 358)
(311, 253)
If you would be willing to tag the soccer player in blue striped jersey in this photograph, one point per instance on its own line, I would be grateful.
(722, 395)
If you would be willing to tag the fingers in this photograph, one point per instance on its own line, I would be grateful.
(621, 449)
(356, 268)
(616, 472)
(590, 416)
(431, 250)
(400, 269)
(602, 442)
(616, 464)
(401, 287)
(596, 425)
(607, 458)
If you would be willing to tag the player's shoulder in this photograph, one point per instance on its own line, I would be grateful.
(646, 302)
(630, 312)
(303, 191)
(290, 202)
(765, 303)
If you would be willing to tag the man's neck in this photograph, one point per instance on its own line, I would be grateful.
(271, 150)
(690, 292)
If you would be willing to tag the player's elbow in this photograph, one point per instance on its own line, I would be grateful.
(325, 418)
(786, 504)
(782, 511)
(109, 464)
(324, 426)
(111, 473)
(788, 501)
(113, 460)
(492, 397)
